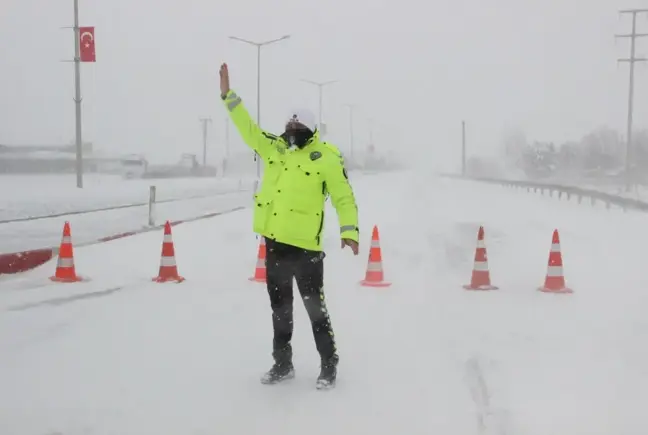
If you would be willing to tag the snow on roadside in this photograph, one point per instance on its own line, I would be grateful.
(25, 196)
(88, 227)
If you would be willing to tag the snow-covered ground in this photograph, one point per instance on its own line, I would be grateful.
(25, 196)
(90, 227)
(53, 195)
(122, 355)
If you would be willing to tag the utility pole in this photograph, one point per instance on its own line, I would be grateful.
(204, 122)
(320, 86)
(463, 148)
(258, 46)
(227, 139)
(631, 60)
(350, 107)
(77, 97)
(85, 36)
(227, 146)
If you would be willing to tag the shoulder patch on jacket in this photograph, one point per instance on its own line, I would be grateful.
(315, 155)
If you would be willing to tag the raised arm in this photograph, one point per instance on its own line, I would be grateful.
(260, 141)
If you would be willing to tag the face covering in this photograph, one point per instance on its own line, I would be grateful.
(298, 137)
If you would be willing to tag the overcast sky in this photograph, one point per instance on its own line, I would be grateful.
(416, 67)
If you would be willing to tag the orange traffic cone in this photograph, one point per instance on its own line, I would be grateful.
(375, 275)
(65, 270)
(555, 280)
(168, 267)
(260, 269)
(480, 275)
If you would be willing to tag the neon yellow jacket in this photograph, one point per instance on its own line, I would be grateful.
(289, 206)
(336, 150)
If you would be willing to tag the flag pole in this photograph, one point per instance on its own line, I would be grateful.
(77, 97)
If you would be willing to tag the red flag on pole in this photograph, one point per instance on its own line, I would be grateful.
(87, 44)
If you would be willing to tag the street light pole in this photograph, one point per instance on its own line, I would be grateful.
(463, 148)
(258, 45)
(350, 107)
(320, 86)
(204, 122)
(227, 146)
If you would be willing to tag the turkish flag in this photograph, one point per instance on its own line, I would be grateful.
(87, 44)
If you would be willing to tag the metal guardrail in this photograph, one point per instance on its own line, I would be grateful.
(594, 196)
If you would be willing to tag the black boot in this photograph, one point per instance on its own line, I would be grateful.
(328, 373)
(282, 369)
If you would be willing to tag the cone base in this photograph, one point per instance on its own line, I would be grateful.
(255, 279)
(72, 279)
(177, 279)
(480, 287)
(564, 290)
(366, 283)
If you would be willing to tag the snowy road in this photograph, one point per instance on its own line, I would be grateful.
(120, 354)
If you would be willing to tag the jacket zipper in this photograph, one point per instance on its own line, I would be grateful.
(319, 231)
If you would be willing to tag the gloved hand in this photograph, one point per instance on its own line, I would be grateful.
(352, 244)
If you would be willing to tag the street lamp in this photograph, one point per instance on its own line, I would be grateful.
(350, 107)
(204, 122)
(258, 45)
(320, 86)
(227, 147)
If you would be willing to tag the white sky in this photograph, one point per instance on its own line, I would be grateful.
(416, 67)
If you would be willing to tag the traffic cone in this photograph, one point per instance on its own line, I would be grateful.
(555, 280)
(375, 275)
(65, 270)
(260, 269)
(168, 267)
(480, 279)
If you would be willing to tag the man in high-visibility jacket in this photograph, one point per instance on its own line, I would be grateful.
(299, 169)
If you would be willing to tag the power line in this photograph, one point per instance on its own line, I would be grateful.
(632, 60)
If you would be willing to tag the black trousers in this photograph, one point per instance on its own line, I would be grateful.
(283, 263)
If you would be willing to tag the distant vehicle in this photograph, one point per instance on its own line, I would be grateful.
(133, 167)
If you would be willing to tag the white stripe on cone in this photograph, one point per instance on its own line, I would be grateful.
(555, 271)
(65, 262)
(167, 261)
(481, 266)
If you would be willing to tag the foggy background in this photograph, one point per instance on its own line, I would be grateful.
(546, 68)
